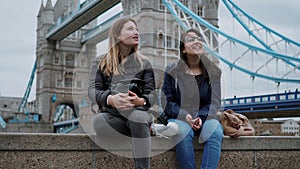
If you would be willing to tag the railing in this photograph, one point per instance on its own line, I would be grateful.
(280, 97)
(80, 8)
(66, 126)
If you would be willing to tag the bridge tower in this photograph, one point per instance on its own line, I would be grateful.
(156, 34)
(60, 69)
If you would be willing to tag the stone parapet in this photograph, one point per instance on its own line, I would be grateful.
(27, 150)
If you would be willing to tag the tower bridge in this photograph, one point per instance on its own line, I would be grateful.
(67, 39)
(79, 16)
(63, 57)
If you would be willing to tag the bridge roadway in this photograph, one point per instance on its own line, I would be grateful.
(266, 106)
(87, 11)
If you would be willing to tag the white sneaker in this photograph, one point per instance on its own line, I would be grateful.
(162, 131)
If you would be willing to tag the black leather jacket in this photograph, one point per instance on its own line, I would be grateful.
(100, 84)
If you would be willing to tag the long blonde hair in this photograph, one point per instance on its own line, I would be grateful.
(110, 63)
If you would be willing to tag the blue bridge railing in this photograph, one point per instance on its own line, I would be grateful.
(287, 101)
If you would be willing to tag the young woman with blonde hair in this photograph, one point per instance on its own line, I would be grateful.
(123, 111)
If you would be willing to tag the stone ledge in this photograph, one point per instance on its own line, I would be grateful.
(26, 150)
(51, 141)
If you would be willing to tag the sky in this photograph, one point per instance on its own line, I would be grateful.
(18, 33)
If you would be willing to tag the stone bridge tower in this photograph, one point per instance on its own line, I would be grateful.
(156, 34)
(60, 69)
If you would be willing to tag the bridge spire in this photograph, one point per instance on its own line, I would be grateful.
(41, 9)
(49, 5)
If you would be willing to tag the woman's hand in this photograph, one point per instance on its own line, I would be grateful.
(137, 101)
(194, 123)
(120, 101)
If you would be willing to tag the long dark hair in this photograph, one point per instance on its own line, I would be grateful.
(183, 56)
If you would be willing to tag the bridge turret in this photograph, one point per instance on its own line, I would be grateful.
(40, 25)
(48, 13)
(210, 11)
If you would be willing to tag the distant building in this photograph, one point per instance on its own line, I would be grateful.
(290, 126)
(9, 106)
(276, 127)
(16, 121)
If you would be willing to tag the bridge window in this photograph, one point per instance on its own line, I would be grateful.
(59, 83)
(56, 60)
(70, 60)
(241, 101)
(160, 42)
(185, 3)
(169, 42)
(177, 41)
(200, 10)
(68, 79)
(135, 7)
(161, 6)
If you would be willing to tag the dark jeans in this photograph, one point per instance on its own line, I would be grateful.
(115, 133)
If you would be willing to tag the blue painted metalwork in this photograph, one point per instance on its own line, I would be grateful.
(83, 6)
(101, 27)
(66, 126)
(264, 103)
(59, 111)
(77, 14)
(28, 118)
(287, 40)
(2, 122)
(23, 105)
(213, 53)
(214, 29)
(251, 33)
(28, 89)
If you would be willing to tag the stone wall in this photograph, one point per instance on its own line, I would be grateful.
(79, 151)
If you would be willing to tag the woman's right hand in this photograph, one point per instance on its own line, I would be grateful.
(194, 123)
(120, 101)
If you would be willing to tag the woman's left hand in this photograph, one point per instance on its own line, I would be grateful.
(197, 123)
(137, 101)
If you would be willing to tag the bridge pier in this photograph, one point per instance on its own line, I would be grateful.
(21, 150)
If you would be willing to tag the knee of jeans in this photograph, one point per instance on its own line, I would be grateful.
(185, 133)
(218, 133)
(139, 116)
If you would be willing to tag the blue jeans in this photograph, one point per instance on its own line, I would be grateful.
(116, 131)
(211, 135)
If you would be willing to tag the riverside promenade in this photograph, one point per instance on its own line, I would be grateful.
(78, 151)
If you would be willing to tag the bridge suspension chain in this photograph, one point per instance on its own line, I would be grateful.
(265, 60)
